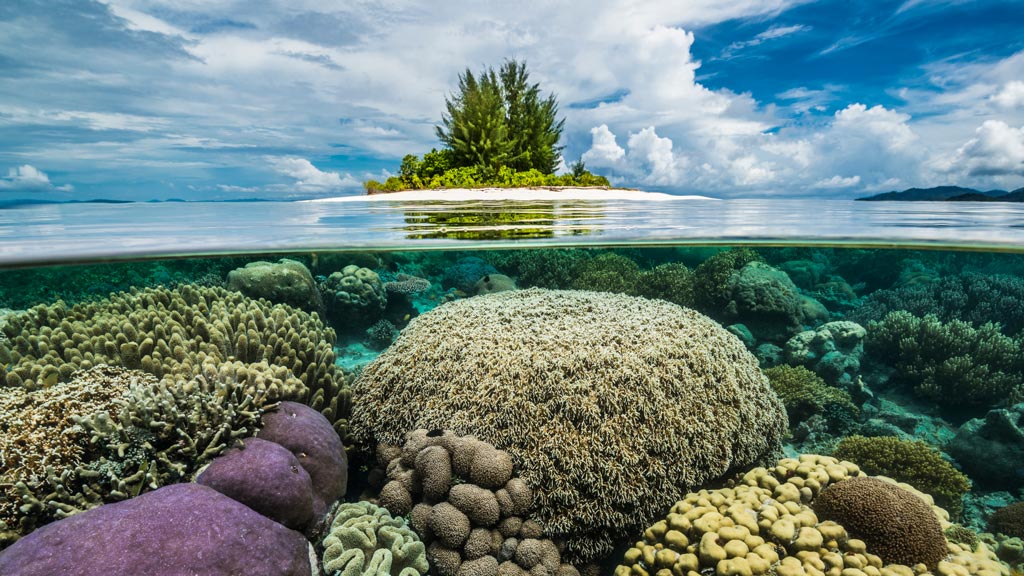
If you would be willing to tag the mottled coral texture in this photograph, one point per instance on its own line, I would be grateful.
(609, 405)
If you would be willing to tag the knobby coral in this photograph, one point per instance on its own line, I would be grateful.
(609, 405)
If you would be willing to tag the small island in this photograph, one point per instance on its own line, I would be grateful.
(948, 194)
(497, 132)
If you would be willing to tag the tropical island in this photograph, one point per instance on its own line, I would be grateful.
(948, 194)
(497, 131)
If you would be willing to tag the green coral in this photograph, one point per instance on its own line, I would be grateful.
(953, 364)
(805, 394)
(607, 272)
(913, 462)
(961, 534)
(673, 282)
(364, 539)
(544, 268)
(711, 278)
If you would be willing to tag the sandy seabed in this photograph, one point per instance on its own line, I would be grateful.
(528, 194)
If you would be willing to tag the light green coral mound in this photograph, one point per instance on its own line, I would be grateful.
(913, 462)
(805, 394)
(951, 363)
(365, 540)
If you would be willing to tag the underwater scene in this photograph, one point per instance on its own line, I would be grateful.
(684, 410)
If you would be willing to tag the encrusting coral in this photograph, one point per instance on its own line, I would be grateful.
(763, 524)
(365, 540)
(609, 405)
(272, 351)
(465, 500)
(913, 462)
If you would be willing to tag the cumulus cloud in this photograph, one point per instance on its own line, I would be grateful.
(309, 178)
(997, 149)
(604, 151)
(29, 178)
(1011, 95)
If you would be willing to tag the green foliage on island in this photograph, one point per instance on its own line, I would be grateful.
(497, 131)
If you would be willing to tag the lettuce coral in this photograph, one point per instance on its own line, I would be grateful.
(365, 540)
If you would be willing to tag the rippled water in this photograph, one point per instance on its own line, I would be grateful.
(60, 233)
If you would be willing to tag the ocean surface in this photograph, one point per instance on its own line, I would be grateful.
(69, 232)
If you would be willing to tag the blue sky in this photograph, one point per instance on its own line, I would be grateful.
(142, 99)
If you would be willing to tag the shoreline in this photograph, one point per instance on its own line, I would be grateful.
(525, 194)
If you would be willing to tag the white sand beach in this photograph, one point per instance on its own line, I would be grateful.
(521, 194)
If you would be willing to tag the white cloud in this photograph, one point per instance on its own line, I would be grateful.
(1011, 96)
(604, 151)
(652, 154)
(770, 34)
(997, 149)
(27, 177)
(309, 178)
(838, 182)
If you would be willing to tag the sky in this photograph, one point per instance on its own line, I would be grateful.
(231, 99)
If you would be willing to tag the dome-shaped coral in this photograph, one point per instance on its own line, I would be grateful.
(609, 405)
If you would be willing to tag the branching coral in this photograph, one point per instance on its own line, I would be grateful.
(913, 462)
(271, 350)
(711, 279)
(607, 272)
(608, 404)
(805, 394)
(952, 364)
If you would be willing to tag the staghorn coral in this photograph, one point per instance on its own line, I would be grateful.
(608, 404)
(284, 282)
(894, 523)
(146, 434)
(913, 462)
(364, 539)
(466, 502)
(762, 523)
(952, 364)
(275, 350)
(805, 394)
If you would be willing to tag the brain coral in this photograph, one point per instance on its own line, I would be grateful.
(271, 351)
(365, 540)
(763, 524)
(610, 405)
(1008, 520)
(894, 523)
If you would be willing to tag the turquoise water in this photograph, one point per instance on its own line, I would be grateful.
(611, 358)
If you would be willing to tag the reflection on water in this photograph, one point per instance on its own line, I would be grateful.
(100, 231)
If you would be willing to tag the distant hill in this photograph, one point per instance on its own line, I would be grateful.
(939, 193)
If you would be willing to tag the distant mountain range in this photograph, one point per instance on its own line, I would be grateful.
(949, 194)
(18, 202)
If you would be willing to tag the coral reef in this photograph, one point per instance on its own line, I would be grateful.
(354, 296)
(991, 448)
(609, 405)
(272, 351)
(804, 394)
(406, 285)
(381, 334)
(365, 540)
(266, 477)
(971, 297)
(952, 364)
(832, 350)
(316, 445)
(465, 273)
(763, 523)
(1008, 521)
(607, 272)
(468, 504)
(180, 529)
(768, 303)
(913, 462)
(892, 522)
(284, 282)
(711, 289)
(672, 282)
(543, 268)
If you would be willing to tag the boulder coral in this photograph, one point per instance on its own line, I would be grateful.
(463, 497)
(354, 295)
(273, 352)
(832, 350)
(284, 282)
(765, 523)
(609, 405)
(364, 539)
(769, 304)
(991, 448)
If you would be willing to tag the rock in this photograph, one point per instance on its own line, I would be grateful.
(189, 528)
(991, 449)
(265, 477)
(313, 441)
